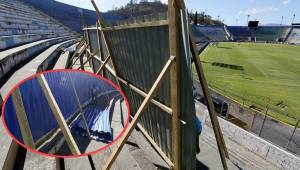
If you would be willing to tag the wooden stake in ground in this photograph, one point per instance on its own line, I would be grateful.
(58, 115)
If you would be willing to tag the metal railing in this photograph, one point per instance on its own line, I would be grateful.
(266, 118)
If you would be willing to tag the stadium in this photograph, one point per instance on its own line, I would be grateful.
(242, 81)
(254, 61)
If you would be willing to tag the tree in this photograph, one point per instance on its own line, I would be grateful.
(196, 18)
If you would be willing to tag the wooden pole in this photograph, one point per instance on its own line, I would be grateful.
(96, 8)
(103, 65)
(91, 55)
(138, 114)
(80, 44)
(74, 62)
(101, 24)
(22, 119)
(213, 116)
(156, 147)
(86, 53)
(79, 105)
(174, 32)
(99, 39)
(58, 115)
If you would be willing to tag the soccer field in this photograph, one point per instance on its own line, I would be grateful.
(262, 73)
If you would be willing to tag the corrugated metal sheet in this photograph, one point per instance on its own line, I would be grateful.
(94, 95)
(140, 54)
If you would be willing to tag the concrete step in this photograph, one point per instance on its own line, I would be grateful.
(32, 161)
(49, 62)
(239, 155)
(32, 66)
(7, 42)
(63, 59)
(16, 31)
(15, 56)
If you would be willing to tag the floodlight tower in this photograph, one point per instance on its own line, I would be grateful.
(281, 20)
(248, 16)
(293, 18)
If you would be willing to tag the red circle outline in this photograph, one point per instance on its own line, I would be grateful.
(65, 70)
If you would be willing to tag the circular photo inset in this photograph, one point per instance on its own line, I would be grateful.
(65, 113)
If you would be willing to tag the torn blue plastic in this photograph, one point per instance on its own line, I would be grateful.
(94, 94)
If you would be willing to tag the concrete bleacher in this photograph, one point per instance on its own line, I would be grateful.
(50, 61)
(11, 58)
(214, 33)
(10, 150)
(199, 36)
(19, 18)
(239, 33)
(16, 40)
(270, 33)
(62, 61)
(69, 15)
(28, 37)
(294, 36)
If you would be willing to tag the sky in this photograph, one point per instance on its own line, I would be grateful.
(233, 12)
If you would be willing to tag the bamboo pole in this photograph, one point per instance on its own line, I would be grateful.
(58, 115)
(138, 114)
(22, 119)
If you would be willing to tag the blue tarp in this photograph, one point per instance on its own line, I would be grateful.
(94, 94)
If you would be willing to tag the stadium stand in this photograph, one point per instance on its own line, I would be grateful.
(214, 33)
(28, 38)
(62, 60)
(69, 15)
(239, 33)
(294, 36)
(21, 24)
(270, 33)
(199, 36)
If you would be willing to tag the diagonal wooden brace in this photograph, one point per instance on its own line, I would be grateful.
(138, 114)
(103, 65)
(84, 49)
(92, 55)
(58, 115)
(215, 123)
(22, 119)
(79, 105)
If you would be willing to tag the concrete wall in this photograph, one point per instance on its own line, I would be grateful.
(269, 152)
(241, 112)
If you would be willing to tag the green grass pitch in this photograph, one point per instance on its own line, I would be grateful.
(261, 72)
